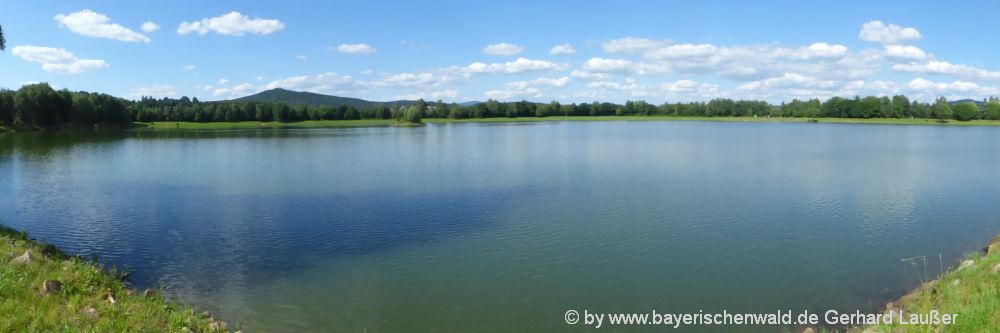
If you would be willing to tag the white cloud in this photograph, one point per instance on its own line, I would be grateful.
(562, 49)
(622, 66)
(237, 91)
(690, 87)
(683, 51)
(355, 48)
(927, 90)
(589, 76)
(94, 24)
(231, 24)
(301, 58)
(190, 67)
(876, 31)
(410, 80)
(149, 26)
(503, 49)
(632, 45)
(434, 95)
(223, 81)
(750, 62)
(520, 65)
(511, 94)
(155, 91)
(788, 80)
(602, 65)
(319, 83)
(956, 86)
(824, 50)
(542, 81)
(630, 87)
(904, 53)
(259, 77)
(57, 60)
(947, 68)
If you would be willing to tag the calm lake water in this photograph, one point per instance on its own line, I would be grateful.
(504, 227)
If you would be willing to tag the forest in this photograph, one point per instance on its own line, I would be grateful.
(38, 106)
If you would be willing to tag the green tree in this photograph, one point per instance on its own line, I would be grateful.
(351, 113)
(412, 114)
(281, 112)
(966, 111)
(3, 41)
(6, 107)
(39, 105)
(941, 109)
(901, 106)
(992, 111)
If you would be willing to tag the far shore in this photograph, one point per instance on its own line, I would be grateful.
(170, 125)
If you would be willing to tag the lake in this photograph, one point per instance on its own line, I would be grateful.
(504, 227)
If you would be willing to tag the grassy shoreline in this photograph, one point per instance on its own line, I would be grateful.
(44, 290)
(971, 290)
(167, 126)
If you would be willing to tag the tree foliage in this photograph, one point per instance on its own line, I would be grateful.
(40, 106)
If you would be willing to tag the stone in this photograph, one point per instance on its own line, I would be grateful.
(111, 297)
(996, 268)
(808, 330)
(89, 311)
(186, 330)
(149, 293)
(956, 282)
(967, 263)
(218, 326)
(51, 286)
(22, 259)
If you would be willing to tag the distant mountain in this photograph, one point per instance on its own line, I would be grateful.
(313, 99)
(470, 103)
(979, 103)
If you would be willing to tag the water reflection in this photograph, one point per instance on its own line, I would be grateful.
(442, 227)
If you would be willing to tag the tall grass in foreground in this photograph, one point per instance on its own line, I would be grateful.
(971, 290)
(52, 292)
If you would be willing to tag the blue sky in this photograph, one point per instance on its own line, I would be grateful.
(470, 50)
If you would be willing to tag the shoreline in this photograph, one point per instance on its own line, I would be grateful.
(969, 290)
(168, 126)
(43, 289)
(161, 126)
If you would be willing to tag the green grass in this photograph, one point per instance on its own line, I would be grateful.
(25, 307)
(975, 298)
(167, 126)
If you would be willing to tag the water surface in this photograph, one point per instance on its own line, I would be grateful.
(504, 227)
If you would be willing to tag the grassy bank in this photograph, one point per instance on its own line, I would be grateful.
(971, 290)
(162, 126)
(43, 290)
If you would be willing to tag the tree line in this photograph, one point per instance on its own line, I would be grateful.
(40, 106)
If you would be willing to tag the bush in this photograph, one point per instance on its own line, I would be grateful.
(966, 111)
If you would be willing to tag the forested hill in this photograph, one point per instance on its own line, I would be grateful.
(293, 98)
